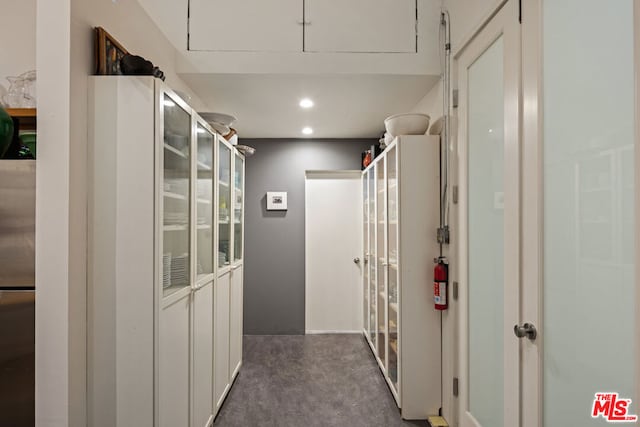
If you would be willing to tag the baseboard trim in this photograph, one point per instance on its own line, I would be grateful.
(316, 332)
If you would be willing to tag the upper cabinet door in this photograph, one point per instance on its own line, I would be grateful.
(381, 26)
(246, 25)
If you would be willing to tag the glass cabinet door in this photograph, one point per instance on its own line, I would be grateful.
(224, 205)
(382, 262)
(372, 256)
(365, 247)
(176, 208)
(238, 206)
(392, 262)
(204, 202)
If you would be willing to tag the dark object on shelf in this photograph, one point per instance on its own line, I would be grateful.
(6, 131)
(17, 150)
(134, 65)
(108, 53)
(376, 150)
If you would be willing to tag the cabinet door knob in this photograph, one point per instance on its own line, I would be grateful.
(356, 260)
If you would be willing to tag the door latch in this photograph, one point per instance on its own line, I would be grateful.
(526, 330)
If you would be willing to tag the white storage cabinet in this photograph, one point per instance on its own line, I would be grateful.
(400, 218)
(157, 324)
(230, 255)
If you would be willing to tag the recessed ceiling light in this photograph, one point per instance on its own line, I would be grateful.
(307, 130)
(306, 103)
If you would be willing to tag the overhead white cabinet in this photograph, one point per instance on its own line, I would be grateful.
(246, 25)
(359, 26)
(378, 26)
(400, 211)
(158, 319)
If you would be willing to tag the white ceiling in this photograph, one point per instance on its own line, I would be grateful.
(346, 105)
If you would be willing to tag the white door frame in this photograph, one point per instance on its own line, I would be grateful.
(636, 13)
(505, 21)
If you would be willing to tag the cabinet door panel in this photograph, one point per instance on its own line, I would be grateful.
(238, 207)
(235, 348)
(360, 26)
(246, 25)
(221, 338)
(174, 364)
(203, 356)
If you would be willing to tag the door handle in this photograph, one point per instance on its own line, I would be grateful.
(356, 260)
(527, 330)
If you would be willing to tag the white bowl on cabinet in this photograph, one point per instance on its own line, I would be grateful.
(407, 124)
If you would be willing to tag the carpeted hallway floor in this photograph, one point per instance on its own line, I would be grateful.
(309, 381)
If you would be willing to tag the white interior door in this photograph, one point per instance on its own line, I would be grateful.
(489, 223)
(587, 233)
(333, 244)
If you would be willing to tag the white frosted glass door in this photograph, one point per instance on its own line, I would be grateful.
(489, 225)
(589, 220)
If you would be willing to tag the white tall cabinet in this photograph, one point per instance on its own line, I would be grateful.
(229, 289)
(162, 329)
(400, 218)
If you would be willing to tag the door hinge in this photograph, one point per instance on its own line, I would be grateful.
(454, 194)
(520, 11)
(454, 290)
(442, 235)
(455, 386)
(454, 98)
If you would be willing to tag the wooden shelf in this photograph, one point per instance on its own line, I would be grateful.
(22, 112)
(26, 117)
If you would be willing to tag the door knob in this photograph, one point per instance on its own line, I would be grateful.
(356, 260)
(526, 330)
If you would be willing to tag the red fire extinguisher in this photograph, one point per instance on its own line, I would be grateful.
(440, 280)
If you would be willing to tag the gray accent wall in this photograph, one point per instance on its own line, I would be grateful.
(274, 241)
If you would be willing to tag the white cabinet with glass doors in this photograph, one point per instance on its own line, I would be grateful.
(400, 322)
(154, 317)
(229, 287)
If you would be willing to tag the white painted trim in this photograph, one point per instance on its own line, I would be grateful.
(532, 211)
(335, 174)
(504, 22)
(319, 332)
(60, 352)
(487, 17)
(636, 26)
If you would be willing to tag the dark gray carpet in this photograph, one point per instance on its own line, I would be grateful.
(308, 381)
